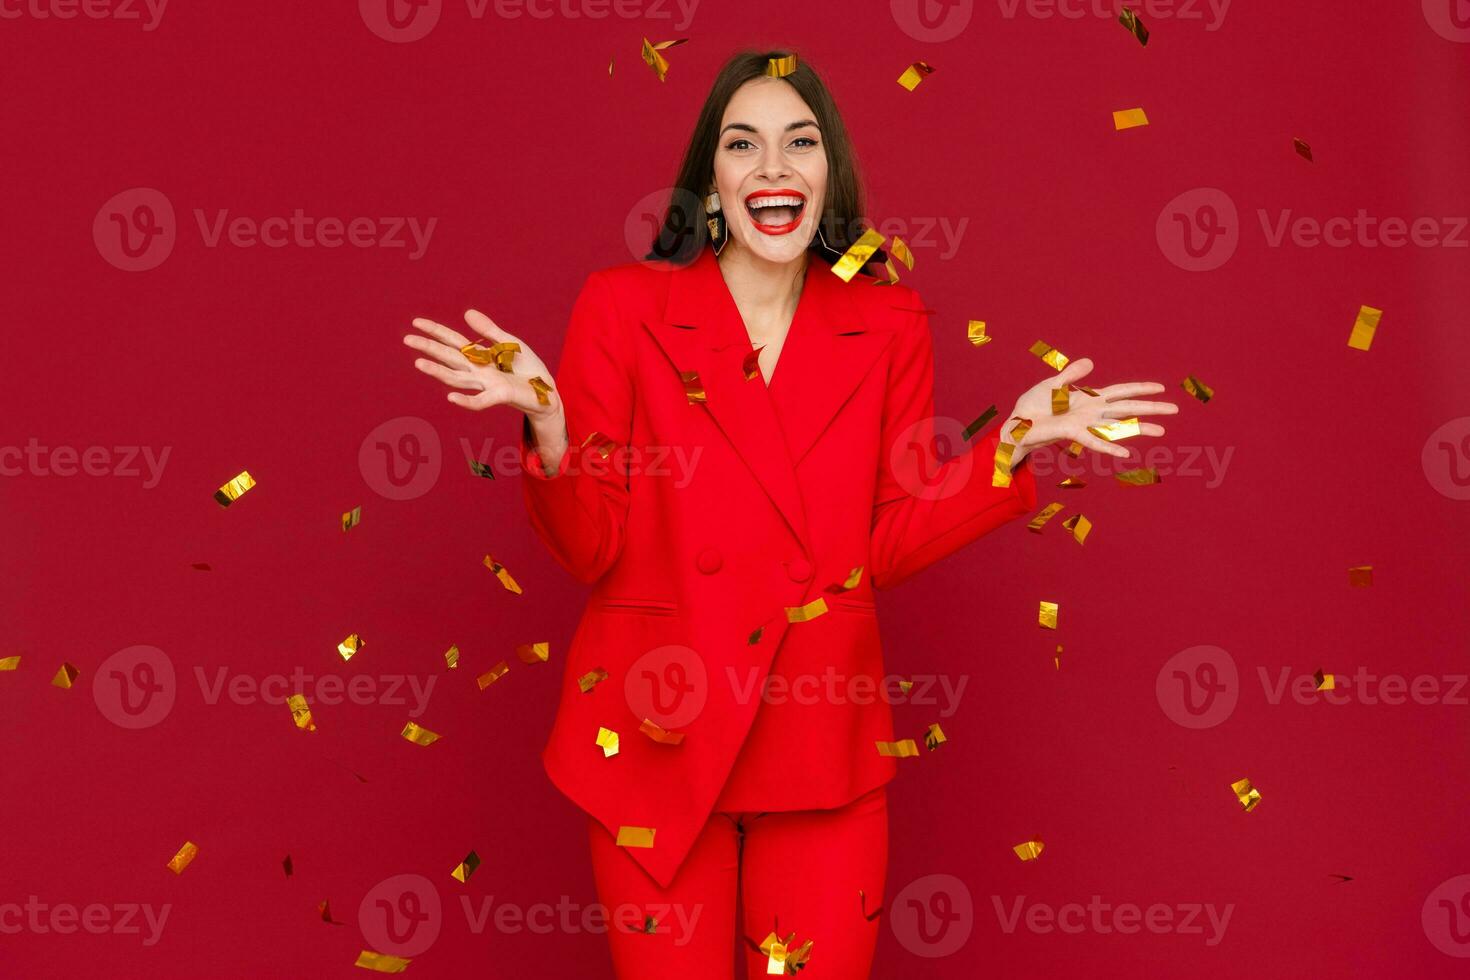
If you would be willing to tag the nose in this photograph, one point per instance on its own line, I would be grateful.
(774, 165)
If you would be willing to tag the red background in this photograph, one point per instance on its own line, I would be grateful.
(512, 134)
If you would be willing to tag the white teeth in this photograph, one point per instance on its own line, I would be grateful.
(775, 202)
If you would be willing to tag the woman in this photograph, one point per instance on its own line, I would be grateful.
(730, 642)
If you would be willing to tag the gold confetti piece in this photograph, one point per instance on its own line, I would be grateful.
(1061, 400)
(301, 712)
(914, 74)
(1079, 526)
(381, 962)
(755, 636)
(854, 577)
(1049, 354)
(201, 566)
(1057, 660)
(905, 686)
(775, 951)
(934, 737)
(751, 363)
(1085, 390)
(975, 332)
(534, 653)
(1001, 477)
(492, 675)
(9, 663)
(1029, 850)
(501, 573)
(1360, 576)
(693, 387)
(1325, 682)
(503, 353)
(1022, 427)
(781, 67)
(451, 658)
(903, 749)
(636, 836)
(650, 925)
(286, 864)
(863, 906)
(1047, 513)
(1248, 795)
(607, 740)
(1128, 119)
(1197, 388)
(1046, 616)
(1074, 450)
(979, 423)
(351, 519)
(325, 909)
(1364, 327)
(803, 614)
(1129, 19)
(235, 489)
(1142, 477)
(598, 443)
(591, 679)
(1303, 148)
(660, 734)
(183, 858)
(541, 388)
(655, 60)
(66, 676)
(900, 251)
(481, 469)
(477, 354)
(1071, 483)
(1116, 429)
(465, 868)
(351, 646)
(610, 66)
(419, 735)
(857, 255)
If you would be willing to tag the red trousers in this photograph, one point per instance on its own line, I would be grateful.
(791, 872)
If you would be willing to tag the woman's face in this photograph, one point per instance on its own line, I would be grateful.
(771, 170)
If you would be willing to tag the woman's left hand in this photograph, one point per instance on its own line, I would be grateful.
(1114, 402)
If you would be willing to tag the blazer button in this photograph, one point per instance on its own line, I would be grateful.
(800, 570)
(709, 561)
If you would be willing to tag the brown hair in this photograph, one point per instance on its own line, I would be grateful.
(684, 233)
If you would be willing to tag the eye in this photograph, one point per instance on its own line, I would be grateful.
(803, 142)
(739, 144)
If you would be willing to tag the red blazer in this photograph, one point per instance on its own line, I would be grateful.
(713, 515)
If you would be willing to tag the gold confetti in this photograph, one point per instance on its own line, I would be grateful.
(803, 614)
(1057, 660)
(1325, 682)
(1046, 616)
(1071, 483)
(1079, 526)
(775, 951)
(607, 740)
(1047, 513)
(477, 354)
(975, 332)
(900, 251)
(534, 653)
(914, 74)
(653, 57)
(1303, 148)
(419, 735)
(1061, 400)
(325, 908)
(451, 658)
(541, 388)
(979, 423)
(599, 444)
(660, 734)
(1029, 850)
(9, 663)
(503, 353)
(903, 749)
(854, 577)
(183, 858)
(755, 636)
(934, 737)
(1360, 576)
(1129, 19)
(750, 365)
(1001, 477)
(1364, 328)
(1248, 795)
(1085, 390)
(492, 675)
(905, 686)
(351, 646)
(351, 519)
(857, 255)
(300, 712)
(1074, 450)
(66, 676)
(1049, 354)
(650, 925)
(636, 836)
(693, 387)
(235, 489)
(1128, 119)
(481, 469)
(465, 868)
(501, 573)
(591, 679)
(1142, 477)
(610, 66)
(381, 962)
(286, 865)
(781, 67)
(1116, 429)
(1197, 388)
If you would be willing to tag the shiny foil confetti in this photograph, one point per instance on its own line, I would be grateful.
(903, 749)
(607, 740)
(381, 962)
(1061, 400)
(1143, 477)
(781, 67)
(492, 675)
(1247, 794)
(451, 658)
(905, 686)
(650, 925)
(1325, 682)
(750, 365)
(477, 354)
(857, 255)
(934, 737)
(1074, 450)
(300, 712)
(9, 663)
(914, 74)
(1303, 148)
(1360, 576)
(975, 333)
(901, 252)
(1046, 615)
(979, 423)
(201, 566)
(503, 353)
(660, 734)
(481, 469)
(1085, 390)
(591, 679)
(419, 735)
(1001, 477)
(598, 443)
(1057, 660)
(852, 581)
(1049, 354)
(1079, 526)
(1364, 327)
(1029, 850)
(1129, 119)
(693, 387)
(1197, 388)
(351, 519)
(803, 614)
(541, 388)
(235, 489)
(755, 636)
(1047, 513)
(775, 951)
(465, 868)
(506, 579)
(653, 56)
(183, 858)
(351, 646)
(287, 866)
(66, 676)
(324, 909)
(534, 653)
(1116, 429)
(1130, 19)
(636, 836)
(1072, 483)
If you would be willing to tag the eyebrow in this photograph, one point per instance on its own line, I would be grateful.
(746, 128)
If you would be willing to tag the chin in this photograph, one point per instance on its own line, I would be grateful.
(778, 248)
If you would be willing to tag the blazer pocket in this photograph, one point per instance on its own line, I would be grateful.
(850, 605)
(636, 607)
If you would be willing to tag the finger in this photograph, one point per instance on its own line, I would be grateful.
(1099, 444)
(1123, 409)
(1079, 368)
(448, 356)
(486, 327)
(1131, 389)
(455, 379)
(441, 333)
(1150, 429)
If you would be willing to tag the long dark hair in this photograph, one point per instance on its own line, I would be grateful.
(683, 232)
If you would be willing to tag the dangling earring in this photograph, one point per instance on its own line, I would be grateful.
(823, 240)
(718, 232)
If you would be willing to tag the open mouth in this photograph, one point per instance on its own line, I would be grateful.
(776, 212)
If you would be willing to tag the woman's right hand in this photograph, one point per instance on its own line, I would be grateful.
(484, 385)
